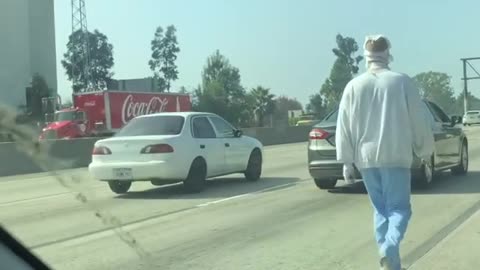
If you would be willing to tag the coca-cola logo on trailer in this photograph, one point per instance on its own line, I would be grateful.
(132, 108)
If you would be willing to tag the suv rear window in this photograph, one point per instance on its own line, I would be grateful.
(472, 113)
(153, 125)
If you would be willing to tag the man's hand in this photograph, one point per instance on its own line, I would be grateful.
(349, 173)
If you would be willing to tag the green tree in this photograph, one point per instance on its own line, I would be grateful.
(264, 103)
(344, 67)
(38, 90)
(346, 48)
(473, 103)
(436, 86)
(283, 104)
(221, 91)
(316, 106)
(100, 60)
(183, 90)
(39, 86)
(164, 54)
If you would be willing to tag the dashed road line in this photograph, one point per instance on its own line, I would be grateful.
(128, 226)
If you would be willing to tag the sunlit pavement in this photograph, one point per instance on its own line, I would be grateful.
(280, 222)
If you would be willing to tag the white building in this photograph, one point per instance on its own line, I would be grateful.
(27, 47)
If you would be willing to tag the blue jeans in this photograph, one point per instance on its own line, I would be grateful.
(389, 191)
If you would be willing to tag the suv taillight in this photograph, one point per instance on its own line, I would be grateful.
(157, 149)
(101, 150)
(318, 134)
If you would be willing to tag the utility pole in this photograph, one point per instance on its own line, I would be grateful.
(81, 64)
(465, 87)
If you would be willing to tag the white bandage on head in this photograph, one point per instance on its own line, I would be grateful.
(383, 57)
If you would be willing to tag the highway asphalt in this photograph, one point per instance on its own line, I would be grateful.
(281, 222)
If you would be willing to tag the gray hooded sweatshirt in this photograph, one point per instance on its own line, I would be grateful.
(382, 121)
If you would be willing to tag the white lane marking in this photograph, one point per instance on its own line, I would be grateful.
(249, 193)
(136, 225)
(444, 241)
(224, 200)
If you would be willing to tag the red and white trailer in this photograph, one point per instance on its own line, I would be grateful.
(103, 113)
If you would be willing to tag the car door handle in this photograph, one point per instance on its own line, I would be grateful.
(202, 146)
(227, 145)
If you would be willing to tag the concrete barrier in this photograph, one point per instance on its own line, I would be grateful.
(70, 154)
(279, 135)
(62, 154)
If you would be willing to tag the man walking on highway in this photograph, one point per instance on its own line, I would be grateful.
(381, 120)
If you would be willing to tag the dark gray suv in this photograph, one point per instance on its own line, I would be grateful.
(451, 150)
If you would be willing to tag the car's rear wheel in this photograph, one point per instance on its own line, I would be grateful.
(197, 175)
(325, 183)
(254, 167)
(119, 187)
(425, 178)
(462, 168)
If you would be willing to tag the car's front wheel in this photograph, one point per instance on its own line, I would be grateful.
(325, 183)
(462, 168)
(197, 175)
(254, 167)
(119, 187)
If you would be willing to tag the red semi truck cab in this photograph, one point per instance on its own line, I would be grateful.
(104, 113)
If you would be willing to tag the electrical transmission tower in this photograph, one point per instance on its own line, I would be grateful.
(81, 62)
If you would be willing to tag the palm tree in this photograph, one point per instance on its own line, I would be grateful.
(264, 103)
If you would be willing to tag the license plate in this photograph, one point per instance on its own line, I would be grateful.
(122, 173)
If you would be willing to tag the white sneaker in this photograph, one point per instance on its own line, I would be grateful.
(385, 264)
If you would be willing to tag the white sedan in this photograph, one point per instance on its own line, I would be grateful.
(174, 147)
(471, 117)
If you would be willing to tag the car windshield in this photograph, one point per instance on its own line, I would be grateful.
(68, 116)
(153, 125)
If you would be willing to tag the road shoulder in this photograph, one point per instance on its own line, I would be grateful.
(459, 250)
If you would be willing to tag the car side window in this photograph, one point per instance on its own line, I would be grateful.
(202, 129)
(439, 113)
(224, 129)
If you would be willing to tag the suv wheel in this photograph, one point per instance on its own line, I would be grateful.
(325, 183)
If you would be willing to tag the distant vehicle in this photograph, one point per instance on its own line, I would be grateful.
(471, 118)
(174, 147)
(105, 112)
(307, 120)
(451, 150)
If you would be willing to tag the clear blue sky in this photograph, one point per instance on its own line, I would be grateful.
(281, 44)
